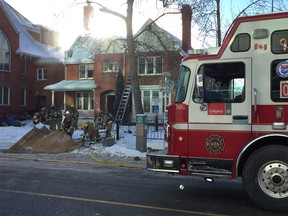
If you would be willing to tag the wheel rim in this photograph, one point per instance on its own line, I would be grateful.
(273, 179)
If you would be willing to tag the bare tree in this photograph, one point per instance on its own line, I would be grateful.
(207, 14)
(132, 45)
(266, 6)
(132, 61)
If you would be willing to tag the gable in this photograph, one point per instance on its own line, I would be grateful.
(153, 38)
(27, 44)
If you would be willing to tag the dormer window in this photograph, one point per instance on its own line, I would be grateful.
(86, 71)
(4, 52)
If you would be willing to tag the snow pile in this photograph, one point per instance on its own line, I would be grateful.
(124, 147)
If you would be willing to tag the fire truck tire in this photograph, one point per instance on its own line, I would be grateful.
(265, 178)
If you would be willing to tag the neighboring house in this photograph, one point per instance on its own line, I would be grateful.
(92, 66)
(29, 61)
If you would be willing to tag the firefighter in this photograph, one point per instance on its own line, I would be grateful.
(91, 131)
(107, 122)
(75, 115)
(36, 118)
(40, 117)
(55, 118)
(43, 115)
(67, 126)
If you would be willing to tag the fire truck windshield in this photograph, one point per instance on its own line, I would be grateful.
(182, 84)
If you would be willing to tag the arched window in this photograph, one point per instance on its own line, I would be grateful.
(4, 52)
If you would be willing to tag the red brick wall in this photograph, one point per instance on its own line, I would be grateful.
(16, 80)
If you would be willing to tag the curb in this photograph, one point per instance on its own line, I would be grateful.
(117, 163)
(97, 161)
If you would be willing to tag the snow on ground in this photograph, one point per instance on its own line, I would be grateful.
(124, 147)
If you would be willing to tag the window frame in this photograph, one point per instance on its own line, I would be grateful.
(24, 65)
(273, 36)
(155, 98)
(238, 38)
(2, 96)
(23, 97)
(106, 65)
(150, 65)
(42, 73)
(5, 52)
(215, 91)
(88, 68)
(85, 97)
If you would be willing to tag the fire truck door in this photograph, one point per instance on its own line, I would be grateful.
(221, 122)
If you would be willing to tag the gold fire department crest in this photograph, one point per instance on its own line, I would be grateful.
(215, 144)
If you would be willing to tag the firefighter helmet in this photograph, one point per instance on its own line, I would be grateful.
(84, 126)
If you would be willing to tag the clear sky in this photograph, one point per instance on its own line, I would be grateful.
(67, 17)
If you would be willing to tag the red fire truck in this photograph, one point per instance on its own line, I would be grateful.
(230, 114)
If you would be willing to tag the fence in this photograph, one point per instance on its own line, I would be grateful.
(155, 133)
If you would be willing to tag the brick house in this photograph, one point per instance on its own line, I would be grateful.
(29, 60)
(92, 66)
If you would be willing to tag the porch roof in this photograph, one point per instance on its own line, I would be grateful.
(72, 85)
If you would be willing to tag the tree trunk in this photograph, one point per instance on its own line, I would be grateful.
(218, 20)
(132, 61)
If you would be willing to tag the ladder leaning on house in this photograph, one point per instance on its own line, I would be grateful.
(123, 102)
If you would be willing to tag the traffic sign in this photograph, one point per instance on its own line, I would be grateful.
(162, 85)
(166, 86)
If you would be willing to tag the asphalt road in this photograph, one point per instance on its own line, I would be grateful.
(34, 187)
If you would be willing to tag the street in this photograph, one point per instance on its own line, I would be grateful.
(35, 187)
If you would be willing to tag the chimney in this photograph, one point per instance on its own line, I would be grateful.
(88, 14)
(186, 27)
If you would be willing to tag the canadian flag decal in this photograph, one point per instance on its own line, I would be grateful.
(260, 46)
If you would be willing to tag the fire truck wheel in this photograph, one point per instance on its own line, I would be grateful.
(265, 178)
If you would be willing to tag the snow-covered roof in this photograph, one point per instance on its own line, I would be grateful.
(72, 85)
(84, 49)
(149, 38)
(27, 44)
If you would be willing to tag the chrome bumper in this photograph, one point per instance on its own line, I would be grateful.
(162, 163)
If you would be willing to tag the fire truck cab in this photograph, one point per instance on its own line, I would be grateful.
(230, 114)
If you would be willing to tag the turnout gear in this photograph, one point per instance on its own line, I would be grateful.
(107, 122)
(55, 117)
(75, 115)
(36, 118)
(91, 131)
(40, 117)
(67, 126)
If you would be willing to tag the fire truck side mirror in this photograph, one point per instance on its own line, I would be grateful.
(199, 86)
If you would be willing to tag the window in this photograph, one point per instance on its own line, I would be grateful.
(150, 65)
(86, 71)
(222, 82)
(183, 80)
(110, 67)
(147, 97)
(24, 65)
(279, 80)
(4, 52)
(85, 100)
(23, 97)
(241, 43)
(42, 74)
(4, 95)
(279, 42)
